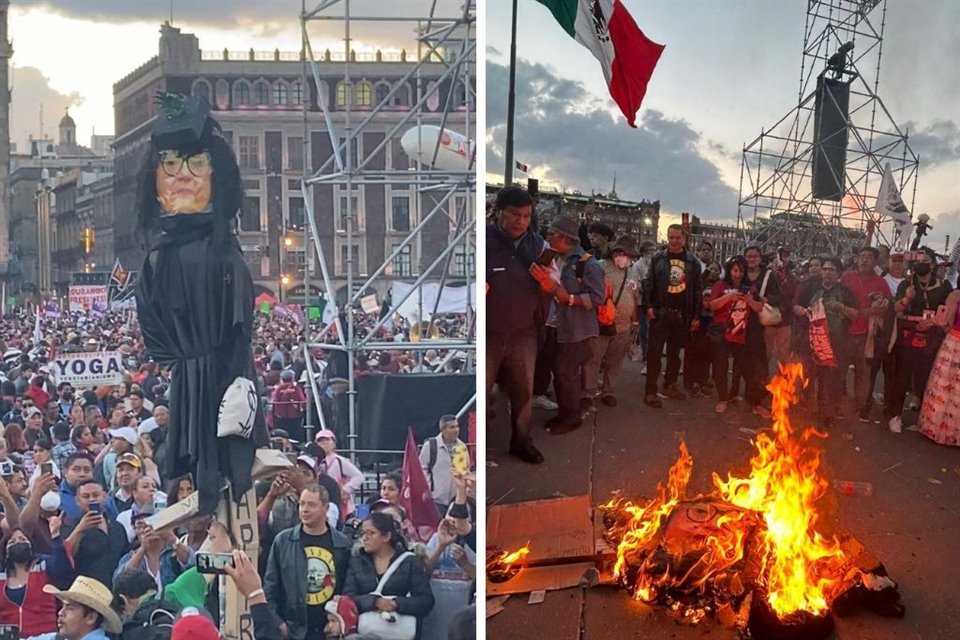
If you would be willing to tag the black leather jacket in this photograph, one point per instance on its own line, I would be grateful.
(658, 280)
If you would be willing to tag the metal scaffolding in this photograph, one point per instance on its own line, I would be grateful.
(449, 40)
(777, 206)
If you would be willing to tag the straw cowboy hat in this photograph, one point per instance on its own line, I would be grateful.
(92, 594)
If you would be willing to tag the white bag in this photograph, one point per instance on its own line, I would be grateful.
(238, 409)
(769, 316)
(384, 625)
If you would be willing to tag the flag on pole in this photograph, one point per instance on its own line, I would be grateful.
(607, 29)
(889, 202)
(119, 275)
(416, 497)
(522, 167)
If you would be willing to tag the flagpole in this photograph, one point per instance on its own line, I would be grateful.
(511, 101)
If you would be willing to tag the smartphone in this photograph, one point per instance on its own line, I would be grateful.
(744, 289)
(546, 258)
(94, 507)
(46, 467)
(461, 462)
(9, 632)
(214, 562)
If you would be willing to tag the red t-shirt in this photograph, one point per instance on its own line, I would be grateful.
(733, 315)
(864, 291)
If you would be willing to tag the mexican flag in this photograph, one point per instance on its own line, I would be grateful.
(626, 55)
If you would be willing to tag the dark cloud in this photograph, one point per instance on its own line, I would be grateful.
(31, 89)
(936, 143)
(257, 17)
(561, 125)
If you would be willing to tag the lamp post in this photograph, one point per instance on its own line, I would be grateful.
(284, 281)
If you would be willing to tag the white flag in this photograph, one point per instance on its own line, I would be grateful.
(37, 333)
(889, 202)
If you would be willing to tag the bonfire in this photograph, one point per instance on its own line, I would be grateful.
(750, 553)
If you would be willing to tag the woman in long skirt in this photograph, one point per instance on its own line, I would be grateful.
(940, 413)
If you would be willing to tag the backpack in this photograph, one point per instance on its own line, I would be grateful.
(150, 622)
(287, 405)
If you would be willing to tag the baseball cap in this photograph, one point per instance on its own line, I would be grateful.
(31, 411)
(131, 459)
(127, 433)
(50, 501)
(148, 425)
(193, 625)
(325, 433)
(309, 461)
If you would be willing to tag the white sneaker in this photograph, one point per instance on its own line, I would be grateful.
(895, 424)
(543, 402)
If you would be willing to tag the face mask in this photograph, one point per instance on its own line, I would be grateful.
(20, 552)
(621, 262)
(922, 269)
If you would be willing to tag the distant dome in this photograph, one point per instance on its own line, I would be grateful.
(67, 121)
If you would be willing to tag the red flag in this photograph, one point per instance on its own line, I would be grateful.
(416, 497)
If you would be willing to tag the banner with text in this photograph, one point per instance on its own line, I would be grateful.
(89, 369)
(88, 298)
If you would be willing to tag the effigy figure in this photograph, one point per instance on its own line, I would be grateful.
(195, 299)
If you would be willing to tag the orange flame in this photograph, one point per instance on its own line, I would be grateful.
(508, 559)
(799, 569)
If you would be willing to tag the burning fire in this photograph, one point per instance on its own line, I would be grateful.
(757, 530)
(506, 564)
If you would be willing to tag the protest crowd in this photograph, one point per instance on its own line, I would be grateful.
(83, 478)
(877, 330)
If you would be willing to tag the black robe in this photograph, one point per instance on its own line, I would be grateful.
(195, 306)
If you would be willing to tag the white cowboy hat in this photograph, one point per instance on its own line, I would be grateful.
(92, 594)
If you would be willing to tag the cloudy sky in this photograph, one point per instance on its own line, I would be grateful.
(729, 69)
(70, 52)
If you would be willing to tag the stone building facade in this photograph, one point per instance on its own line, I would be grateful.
(257, 98)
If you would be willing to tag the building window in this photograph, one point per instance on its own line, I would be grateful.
(296, 93)
(462, 261)
(383, 89)
(296, 218)
(353, 149)
(346, 210)
(223, 94)
(241, 93)
(401, 213)
(345, 257)
(403, 262)
(364, 94)
(249, 152)
(261, 93)
(201, 89)
(250, 214)
(295, 153)
(341, 95)
(280, 93)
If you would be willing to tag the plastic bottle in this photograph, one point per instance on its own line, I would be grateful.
(853, 488)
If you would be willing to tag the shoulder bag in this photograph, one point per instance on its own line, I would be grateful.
(387, 625)
(769, 315)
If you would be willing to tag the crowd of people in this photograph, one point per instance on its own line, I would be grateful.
(84, 474)
(568, 309)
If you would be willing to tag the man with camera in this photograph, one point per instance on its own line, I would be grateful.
(97, 542)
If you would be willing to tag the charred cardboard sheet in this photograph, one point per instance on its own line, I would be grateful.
(560, 535)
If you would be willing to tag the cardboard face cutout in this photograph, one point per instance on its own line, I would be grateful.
(184, 184)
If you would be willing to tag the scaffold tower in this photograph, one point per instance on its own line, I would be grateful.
(843, 43)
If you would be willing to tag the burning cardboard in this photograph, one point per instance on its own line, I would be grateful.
(750, 554)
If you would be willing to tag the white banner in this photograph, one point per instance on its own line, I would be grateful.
(91, 369)
(88, 298)
(889, 202)
(452, 300)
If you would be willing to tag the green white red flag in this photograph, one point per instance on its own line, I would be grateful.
(607, 29)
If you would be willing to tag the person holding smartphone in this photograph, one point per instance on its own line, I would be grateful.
(96, 542)
(515, 313)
